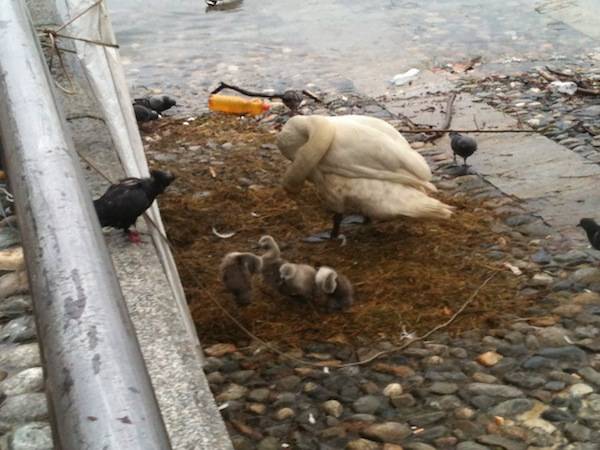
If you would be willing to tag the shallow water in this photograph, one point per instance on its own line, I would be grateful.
(180, 45)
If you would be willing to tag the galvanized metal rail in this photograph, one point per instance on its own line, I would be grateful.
(99, 391)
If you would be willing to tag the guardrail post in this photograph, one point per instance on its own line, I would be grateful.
(99, 391)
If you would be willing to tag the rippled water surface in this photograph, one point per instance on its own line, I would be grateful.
(342, 44)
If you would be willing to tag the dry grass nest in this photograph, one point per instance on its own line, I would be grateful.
(408, 274)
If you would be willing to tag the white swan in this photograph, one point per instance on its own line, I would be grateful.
(358, 164)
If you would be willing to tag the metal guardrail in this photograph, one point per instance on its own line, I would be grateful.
(99, 391)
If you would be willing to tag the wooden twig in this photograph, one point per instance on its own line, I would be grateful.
(464, 130)
(447, 120)
(430, 332)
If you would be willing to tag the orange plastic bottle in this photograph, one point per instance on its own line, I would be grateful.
(232, 104)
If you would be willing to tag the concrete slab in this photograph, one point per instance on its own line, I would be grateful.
(553, 182)
(187, 405)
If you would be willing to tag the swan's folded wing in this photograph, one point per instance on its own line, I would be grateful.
(321, 133)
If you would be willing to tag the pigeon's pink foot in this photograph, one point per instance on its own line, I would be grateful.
(134, 237)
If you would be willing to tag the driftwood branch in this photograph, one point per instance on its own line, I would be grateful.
(447, 121)
(464, 130)
(291, 98)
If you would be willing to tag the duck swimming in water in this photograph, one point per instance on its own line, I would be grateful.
(359, 165)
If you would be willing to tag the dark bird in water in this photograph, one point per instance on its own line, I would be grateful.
(143, 114)
(462, 146)
(158, 103)
(236, 272)
(335, 287)
(124, 202)
(592, 229)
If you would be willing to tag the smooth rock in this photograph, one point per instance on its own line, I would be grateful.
(443, 388)
(393, 390)
(32, 436)
(269, 443)
(541, 280)
(502, 442)
(333, 408)
(259, 395)
(393, 432)
(24, 408)
(489, 359)
(580, 390)
(569, 353)
(470, 445)
(28, 380)
(362, 444)
(284, 413)
(553, 336)
(402, 401)
(232, 392)
(368, 404)
(512, 407)
(20, 356)
(19, 330)
(577, 432)
(422, 420)
(494, 390)
(590, 375)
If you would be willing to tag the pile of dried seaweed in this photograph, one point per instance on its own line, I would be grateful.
(408, 274)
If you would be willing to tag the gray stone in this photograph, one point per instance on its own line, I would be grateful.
(541, 280)
(403, 401)
(333, 408)
(441, 387)
(393, 432)
(590, 375)
(577, 432)
(511, 408)
(28, 380)
(259, 395)
(538, 362)
(15, 306)
(586, 276)
(288, 383)
(33, 436)
(417, 446)
(569, 353)
(422, 420)
(502, 442)
(541, 257)
(494, 390)
(20, 356)
(232, 392)
(24, 408)
(572, 257)
(368, 404)
(552, 336)
(470, 445)
(557, 415)
(362, 444)
(18, 330)
(269, 443)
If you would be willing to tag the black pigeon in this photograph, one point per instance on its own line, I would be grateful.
(463, 146)
(124, 202)
(592, 229)
(143, 114)
(292, 99)
(158, 103)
